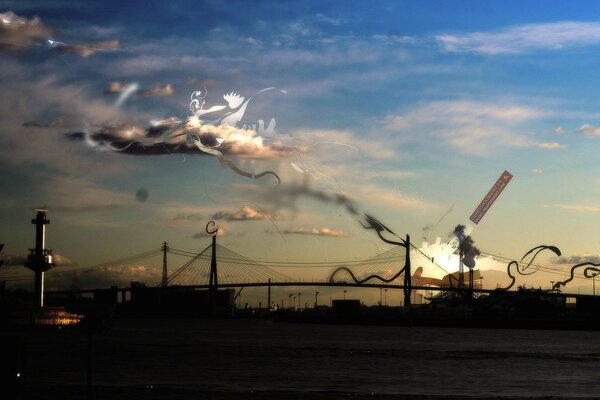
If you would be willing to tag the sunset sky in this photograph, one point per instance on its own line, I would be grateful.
(409, 109)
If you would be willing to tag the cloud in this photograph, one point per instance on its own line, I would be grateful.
(61, 121)
(85, 50)
(524, 38)
(559, 130)
(550, 145)
(576, 259)
(157, 90)
(536, 170)
(473, 127)
(578, 208)
(170, 136)
(154, 90)
(246, 214)
(222, 232)
(589, 130)
(193, 216)
(13, 260)
(18, 33)
(314, 232)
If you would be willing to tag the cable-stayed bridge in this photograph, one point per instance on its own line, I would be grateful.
(216, 266)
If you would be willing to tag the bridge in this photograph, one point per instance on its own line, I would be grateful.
(218, 267)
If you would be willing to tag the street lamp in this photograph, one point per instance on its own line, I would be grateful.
(380, 293)
(480, 282)
(345, 294)
(316, 299)
(294, 302)
(290, 300)
(594, 284)
(385, 297)
(299, 306)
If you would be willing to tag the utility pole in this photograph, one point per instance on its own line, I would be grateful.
(165, 271)
(269, 296)
(407, 274)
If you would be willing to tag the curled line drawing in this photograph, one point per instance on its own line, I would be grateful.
(536, 250)
(238, 171)
(586, 272)
(361, 281)
(211, 231)
(378, 227)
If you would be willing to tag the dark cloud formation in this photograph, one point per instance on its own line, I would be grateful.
(142, 195)
(287, 194)
(577, 259)
(245, 214)
(57, 122)
(174, 136)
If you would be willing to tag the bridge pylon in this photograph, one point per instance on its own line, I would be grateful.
(213, 282)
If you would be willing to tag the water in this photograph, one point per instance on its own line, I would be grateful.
(256, 355)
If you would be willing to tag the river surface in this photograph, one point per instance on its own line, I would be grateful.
(245, 356)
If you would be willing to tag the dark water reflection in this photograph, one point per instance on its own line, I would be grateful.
(244, 355)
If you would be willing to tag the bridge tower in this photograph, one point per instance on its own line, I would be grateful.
(39, 259)
(165, 271)
(213, 282)
(407, 275)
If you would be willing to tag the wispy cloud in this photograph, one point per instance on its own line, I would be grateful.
(222, 232)
(579, 208)
(314, 232)
(474, 127)
(576, 259)
(589, 130)
(524, 38)
(245, 214)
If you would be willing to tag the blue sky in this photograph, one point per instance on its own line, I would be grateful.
(406, 107)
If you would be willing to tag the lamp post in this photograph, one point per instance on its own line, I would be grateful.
(316, 299)
(385, 297)
(345, 294)
(290, 300)
(299, 306)
(294, 302)
(380, 298)
(594, 284)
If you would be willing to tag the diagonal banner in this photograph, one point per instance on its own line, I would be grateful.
(492, 195)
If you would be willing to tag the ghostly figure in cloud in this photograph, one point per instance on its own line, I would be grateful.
(230, 114)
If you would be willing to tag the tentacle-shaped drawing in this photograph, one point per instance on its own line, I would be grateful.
(360, 281)
(238, 171)
(521, 269)
(589, 272)
(373, 223)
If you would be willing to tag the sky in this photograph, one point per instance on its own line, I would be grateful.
(407, 111)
